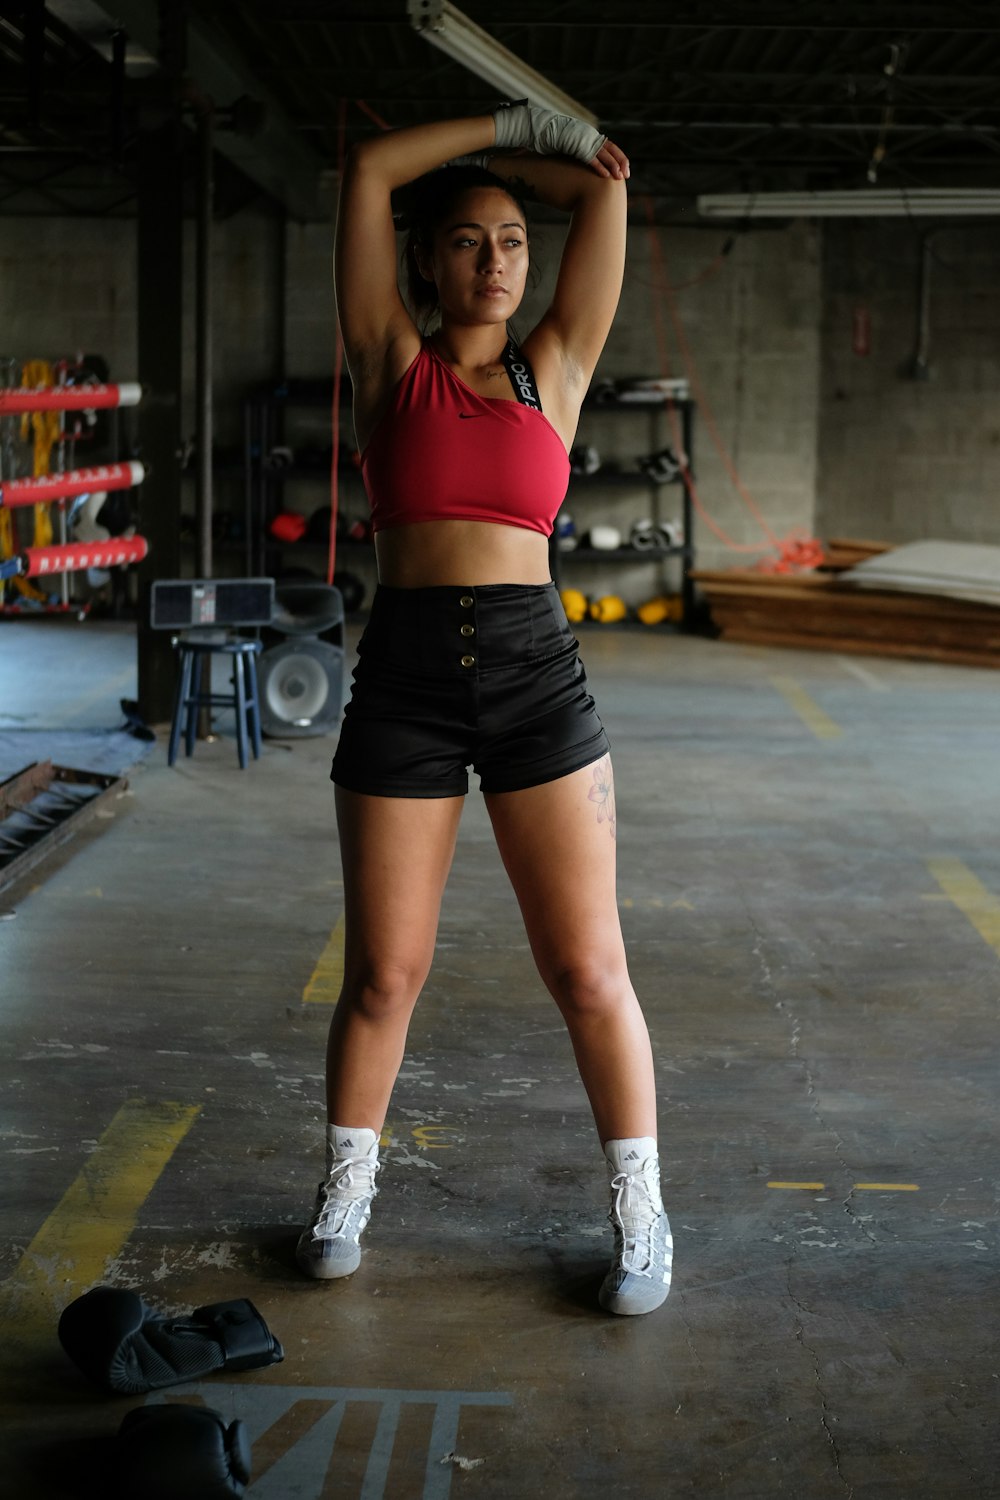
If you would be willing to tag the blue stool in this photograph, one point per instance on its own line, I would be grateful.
(244, 698)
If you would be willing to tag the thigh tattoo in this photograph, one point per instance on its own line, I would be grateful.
(602, 793)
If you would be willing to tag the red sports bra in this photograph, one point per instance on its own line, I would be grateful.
(442, 452)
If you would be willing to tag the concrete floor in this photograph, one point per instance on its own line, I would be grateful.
(810, 889)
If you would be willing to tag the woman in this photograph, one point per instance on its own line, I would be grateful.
(467, 657)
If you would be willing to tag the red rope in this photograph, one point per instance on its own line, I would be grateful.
(338, 367)
(338, 371)
(366, 109)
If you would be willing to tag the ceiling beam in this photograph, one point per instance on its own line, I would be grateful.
(908, 18)
(276, 158)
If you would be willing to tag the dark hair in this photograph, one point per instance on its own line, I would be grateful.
(425, 204)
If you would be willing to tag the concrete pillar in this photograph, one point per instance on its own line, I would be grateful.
(160, 317)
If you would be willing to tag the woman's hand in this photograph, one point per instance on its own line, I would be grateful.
(610, 161)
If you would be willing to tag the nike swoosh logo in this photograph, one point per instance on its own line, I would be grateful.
(469, 416)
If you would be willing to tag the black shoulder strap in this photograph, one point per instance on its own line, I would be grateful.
(522, 377)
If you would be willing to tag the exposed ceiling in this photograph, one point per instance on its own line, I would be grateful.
(720, 95)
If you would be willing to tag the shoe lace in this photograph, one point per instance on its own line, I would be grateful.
(349, 1182)
(634, 1215)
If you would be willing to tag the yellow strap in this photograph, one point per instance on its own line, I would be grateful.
(22, 586)
(27, 590)
(43, 527)
(44, 425)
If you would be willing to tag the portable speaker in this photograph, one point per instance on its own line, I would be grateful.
(186, 604)
(307, 608)
(301, 672)
(301, 687)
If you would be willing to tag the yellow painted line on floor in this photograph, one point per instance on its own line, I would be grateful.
(887, 1187)
(808, 710)
(970, 896)
(328, 975)
(92, 1223)
(811, 1187)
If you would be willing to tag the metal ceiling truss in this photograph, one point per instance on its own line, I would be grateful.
(61, 93)
(801, 94)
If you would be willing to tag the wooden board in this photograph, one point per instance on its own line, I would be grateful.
(851, 646)
(815, 611)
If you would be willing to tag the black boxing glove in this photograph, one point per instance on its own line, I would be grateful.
(120, 1343)
(170, 1452)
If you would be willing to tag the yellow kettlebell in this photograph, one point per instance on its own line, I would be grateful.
(575, 605)
(608, 609)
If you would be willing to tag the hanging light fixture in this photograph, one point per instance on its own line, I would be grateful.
(444, 25)
(866, 203)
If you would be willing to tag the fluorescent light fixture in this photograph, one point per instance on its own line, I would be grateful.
(873, 203)
(446, 27)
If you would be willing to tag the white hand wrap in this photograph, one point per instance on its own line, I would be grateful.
(474, 159)
(544, 131)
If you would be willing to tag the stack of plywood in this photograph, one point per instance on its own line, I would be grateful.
(842, 553)
(823, 612)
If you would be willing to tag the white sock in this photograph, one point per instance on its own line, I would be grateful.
(344, 1141)
(630, 1155)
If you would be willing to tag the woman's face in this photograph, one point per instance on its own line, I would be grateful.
(479, 260)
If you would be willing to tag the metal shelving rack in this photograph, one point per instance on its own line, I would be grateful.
(580, 483)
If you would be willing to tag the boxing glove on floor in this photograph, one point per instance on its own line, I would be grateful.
(181, 1453)
(122, 1344)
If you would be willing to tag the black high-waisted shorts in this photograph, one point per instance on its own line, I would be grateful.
(448, 678)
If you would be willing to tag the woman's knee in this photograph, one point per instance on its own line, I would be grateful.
(383, 990)
(590, 987)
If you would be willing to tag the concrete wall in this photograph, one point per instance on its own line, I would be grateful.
(744, 328)
(820, 438)
(69, 286)
(902, 459)
(310, 306)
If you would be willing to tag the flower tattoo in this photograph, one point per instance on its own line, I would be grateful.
(603, 793)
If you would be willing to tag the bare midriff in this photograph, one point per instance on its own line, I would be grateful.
(431, 554)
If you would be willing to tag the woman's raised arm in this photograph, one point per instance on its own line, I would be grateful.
(378, 331)
(569, 338)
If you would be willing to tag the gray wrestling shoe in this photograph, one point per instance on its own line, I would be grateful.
(330, 1246)
(639, 1278)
